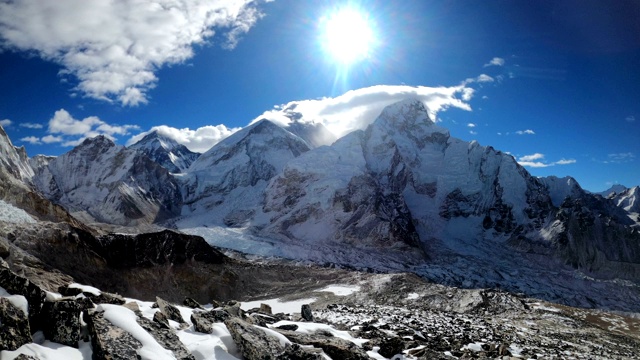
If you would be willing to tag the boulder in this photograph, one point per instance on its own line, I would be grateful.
(189, 302)
(14, 326)
(166, 337)
(161, 319)
(391, 346)
(336, 348)
(62, 321)
(170, 311)
(297, 352)
(108, 341)
(254, 343)
(305, 311)
(203, 320)
(266, 309)
(18, 285)
(106, 298)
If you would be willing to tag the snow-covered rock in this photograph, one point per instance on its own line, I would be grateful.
(101, 181)
(165, 151)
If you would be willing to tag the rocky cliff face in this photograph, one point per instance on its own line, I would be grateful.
(100, 181)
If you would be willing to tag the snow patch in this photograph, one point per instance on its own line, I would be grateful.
(85, 288)
(341, 290)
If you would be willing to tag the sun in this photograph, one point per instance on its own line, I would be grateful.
(347, 36)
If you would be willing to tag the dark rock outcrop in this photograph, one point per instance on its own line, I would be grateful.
(146, 250)
(62, 321)
(14, 326)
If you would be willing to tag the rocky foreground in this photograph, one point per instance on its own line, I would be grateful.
(375, 316)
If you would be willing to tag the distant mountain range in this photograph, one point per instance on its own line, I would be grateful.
(400, 195)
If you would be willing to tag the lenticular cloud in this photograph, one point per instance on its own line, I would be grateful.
(114, 47)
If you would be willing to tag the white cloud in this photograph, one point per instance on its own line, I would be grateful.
(473, 132)
(31, 125)
(71, 132)
(50, 139)
(358, 108)
(630, 118)
(530, 161)
(471, 125)
(484, 78)
(34, 140)
(198, 140)
(496, 61)
(115, 47)
(5, 122)
(525, 132)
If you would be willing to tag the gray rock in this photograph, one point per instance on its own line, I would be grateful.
(166, 337)
(254, 343)
(189, 302)
(14, 326)
(266, 309)
(106, 298)
(203, 320)
(297, 352)
(336, 348)
(108, 341)
(17, 285)
(25, 357)
(171, 311)
(305, 311)
(62, 321)
(161, 319)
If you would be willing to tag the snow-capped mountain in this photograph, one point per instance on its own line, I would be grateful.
(615, 189)
(225, 184)
(101, 181)
(404, 183)
(165, 151)
(628, 199)
(14, 160)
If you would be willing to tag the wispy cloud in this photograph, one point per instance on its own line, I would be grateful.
(358, 108)
(618, 158)
(630, 118)
(471, 125)
(484, 78)
(496, 61)
(525, 132)
(5, 122)
(31, 125)
(198, 140)
(537, 161)
(114, 48)
(473, 132)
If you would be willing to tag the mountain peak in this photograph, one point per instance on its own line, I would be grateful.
(410, 111)
(165, 151)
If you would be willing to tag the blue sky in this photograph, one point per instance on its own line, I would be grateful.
(554, 83)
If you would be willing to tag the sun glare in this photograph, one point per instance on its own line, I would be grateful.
(347, 36)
